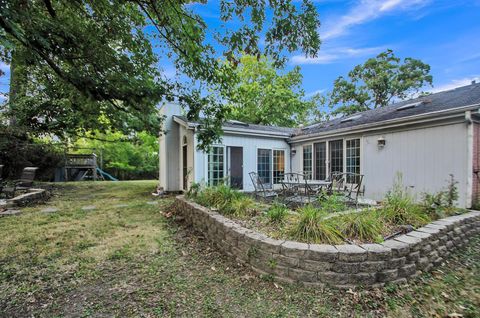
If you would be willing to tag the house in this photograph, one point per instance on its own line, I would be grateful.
(424, 139)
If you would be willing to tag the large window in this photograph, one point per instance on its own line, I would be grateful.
(320, 160)
(307, 161)
(336, 155)
(216, 172)
(264, 165)
(278, 165)
(353, 157)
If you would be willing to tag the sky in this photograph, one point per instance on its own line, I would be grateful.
(443, 33)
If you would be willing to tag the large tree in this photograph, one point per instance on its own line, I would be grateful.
(377, 82)
(262, 95)
(87, 65)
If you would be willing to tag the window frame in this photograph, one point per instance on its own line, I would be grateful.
(311, 174)
(211, 180)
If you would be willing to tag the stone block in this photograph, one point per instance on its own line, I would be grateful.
(345, 267)
(302, 275)
(422, 263)
(366, 279)
(322, 252)
(407, 270)
(398, 249)
(285, 260)
(371, 266)
(426, 249)
(429, 230)
(351, 253)
(315, 266)
(270, 245)
(420, 235)
(387, 275)
(413, 242)
(377, 252)
(413, 257)
(333, 278)
(293, 249)
(396, 262)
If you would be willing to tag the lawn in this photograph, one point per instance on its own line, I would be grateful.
(126, 259)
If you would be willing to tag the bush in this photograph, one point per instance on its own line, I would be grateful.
(364, 226)
(400, 209)
(242, 206)
(226, 200)
(333, 203)
(441, 204)
(313, 227)
(276, 213)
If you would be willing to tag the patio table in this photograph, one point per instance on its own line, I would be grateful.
(300, 190)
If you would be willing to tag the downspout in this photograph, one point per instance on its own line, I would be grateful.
(469, 122)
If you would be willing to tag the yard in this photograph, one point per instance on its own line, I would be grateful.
(126, 258)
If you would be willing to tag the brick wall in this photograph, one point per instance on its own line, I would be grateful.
(344, 266)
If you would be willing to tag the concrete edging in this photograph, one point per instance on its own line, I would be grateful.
(345, 266)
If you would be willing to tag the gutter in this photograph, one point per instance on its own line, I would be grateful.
(389, 123)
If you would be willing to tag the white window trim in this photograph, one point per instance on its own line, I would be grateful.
(271, 159)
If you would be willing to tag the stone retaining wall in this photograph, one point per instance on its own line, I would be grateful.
(344, 266)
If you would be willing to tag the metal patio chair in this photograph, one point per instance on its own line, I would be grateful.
(346, 184)
(260, 190)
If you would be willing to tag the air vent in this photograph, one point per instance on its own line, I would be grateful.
(351, 118)
(408, 106)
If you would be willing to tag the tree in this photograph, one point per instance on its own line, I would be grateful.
(377, 82)
(261, 95)
(91, 64)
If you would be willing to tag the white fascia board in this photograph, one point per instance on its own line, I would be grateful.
(415, 119)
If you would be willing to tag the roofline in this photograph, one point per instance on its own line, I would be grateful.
(238, 131)
(391, 123)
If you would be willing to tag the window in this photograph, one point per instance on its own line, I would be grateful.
(353, 157)
(336, 155)
(264, 165)
(215, 166)
(320, 159)
(307, 161)
(278, 165)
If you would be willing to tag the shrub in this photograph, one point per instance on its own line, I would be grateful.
(242, 206)
(364, 226)
(333, 203)
(226, 200)
(313, 227)
(277, 213)
(441, 204)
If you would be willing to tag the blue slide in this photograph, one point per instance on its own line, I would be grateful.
(106, 175)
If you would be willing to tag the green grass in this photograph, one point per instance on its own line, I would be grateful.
(135, 262)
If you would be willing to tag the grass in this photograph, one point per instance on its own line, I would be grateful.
(134, 262)
(312, 226)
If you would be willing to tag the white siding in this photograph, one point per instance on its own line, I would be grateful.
(250, 145)
(425, 157)
(169, 166)
(184, 132)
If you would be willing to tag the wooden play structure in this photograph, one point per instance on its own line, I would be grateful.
(79, 167)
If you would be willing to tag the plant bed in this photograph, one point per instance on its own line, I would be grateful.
(331, 222)
(341, 265)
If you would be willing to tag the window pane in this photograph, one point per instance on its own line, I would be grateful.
(307, 161)
(353, 157)
(336, 155)
(320, 158)
(215, 166)
(264, 165)
(278, 165)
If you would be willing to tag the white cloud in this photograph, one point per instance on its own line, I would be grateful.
(318, 91)
(364, 11)
(455, 83)
(332, 55)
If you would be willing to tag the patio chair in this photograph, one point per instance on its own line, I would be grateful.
(260, 190)
(24, 183)
(346, 184)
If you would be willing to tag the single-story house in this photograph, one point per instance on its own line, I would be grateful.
(424, 139)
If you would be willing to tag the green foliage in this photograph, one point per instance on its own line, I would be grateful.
(376, 82)
(333, 203)
(136, 158)
(313, 227)
(365, 226)
(276, 213)
(261, 95)
(90, 65)
(226, 200)
(18, 151)
(400, 209)
(441, 204)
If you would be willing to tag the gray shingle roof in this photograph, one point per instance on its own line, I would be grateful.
(253, 127)
(451, 99)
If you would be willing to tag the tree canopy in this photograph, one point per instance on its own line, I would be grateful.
(261, 95)
(94, 65)
(377, 82)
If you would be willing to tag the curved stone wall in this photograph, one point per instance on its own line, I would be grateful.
(347, 265)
